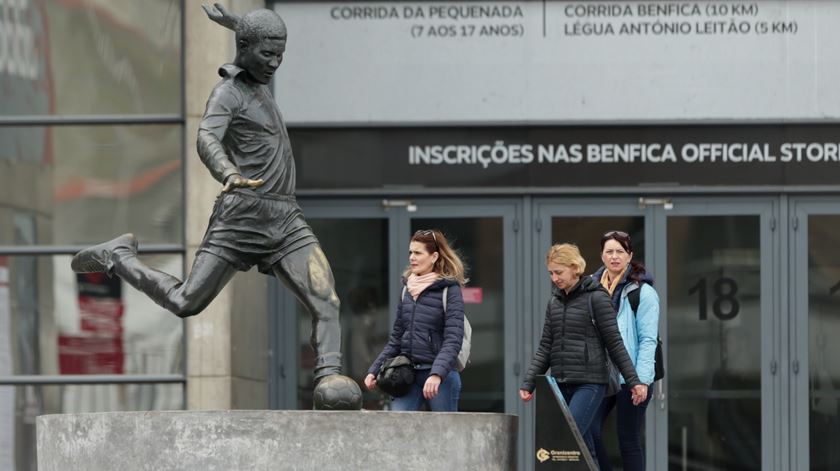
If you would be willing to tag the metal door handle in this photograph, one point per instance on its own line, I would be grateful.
(660, 394)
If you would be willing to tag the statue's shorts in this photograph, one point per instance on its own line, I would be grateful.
(249, 228)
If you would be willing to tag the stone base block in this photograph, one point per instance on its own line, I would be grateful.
(293, 440)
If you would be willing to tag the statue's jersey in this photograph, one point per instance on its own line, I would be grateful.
(242, 132)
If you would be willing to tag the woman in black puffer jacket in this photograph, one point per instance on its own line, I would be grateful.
(428, 335)
(571, 342)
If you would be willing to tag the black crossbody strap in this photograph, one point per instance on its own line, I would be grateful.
(634, 298)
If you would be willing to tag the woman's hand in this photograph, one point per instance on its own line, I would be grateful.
(526, 395)
(370, 381)
(639, 394)
(430, 389)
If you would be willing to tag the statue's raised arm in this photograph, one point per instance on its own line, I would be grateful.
(218, 14)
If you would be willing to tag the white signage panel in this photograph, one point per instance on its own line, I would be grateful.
(559, 61)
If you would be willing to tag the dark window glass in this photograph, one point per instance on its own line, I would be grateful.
(714, 336)
(88, 58)
(54, 321)
(586, 232)
(823, 349)
(86, 184)
(357, 250)
(479, 242)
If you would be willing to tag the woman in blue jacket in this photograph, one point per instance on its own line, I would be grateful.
(424, 331)
(621, 275)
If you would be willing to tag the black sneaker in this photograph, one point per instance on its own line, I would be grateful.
(97, 259)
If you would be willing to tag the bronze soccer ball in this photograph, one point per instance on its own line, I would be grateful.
(337, 392)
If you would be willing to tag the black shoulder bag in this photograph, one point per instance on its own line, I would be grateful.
(613, 383)
(396, 375)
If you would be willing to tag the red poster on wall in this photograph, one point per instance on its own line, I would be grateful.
(98, 348)
(473, 295)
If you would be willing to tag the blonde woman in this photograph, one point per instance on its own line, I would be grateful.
(574, 346)
(423, 331)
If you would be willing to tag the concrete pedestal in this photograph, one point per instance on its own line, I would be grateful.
(293, 440)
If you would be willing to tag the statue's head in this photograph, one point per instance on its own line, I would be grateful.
(260, 44)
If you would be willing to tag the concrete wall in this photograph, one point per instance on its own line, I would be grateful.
(227, 344)
(293, 440)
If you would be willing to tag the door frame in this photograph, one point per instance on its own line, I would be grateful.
(509, 210)
(766, 208)
(655, 212)
(283, 327)
(544, 210)
(283, 351)
(798, 367)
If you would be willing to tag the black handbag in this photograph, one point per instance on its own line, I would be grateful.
(396, 375)
(659, 366)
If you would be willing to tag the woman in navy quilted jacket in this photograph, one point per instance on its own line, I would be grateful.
(424, 331)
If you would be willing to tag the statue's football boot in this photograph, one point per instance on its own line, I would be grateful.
(100, 258)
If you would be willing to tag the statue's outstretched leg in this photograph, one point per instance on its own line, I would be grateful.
(208, 276)
(307, 274)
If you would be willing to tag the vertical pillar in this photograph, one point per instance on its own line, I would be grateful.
(227, 344)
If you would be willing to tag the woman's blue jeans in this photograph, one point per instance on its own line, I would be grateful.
(583, 400)
(629, 423)
(446, 400)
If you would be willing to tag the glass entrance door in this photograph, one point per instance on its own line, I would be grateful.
(355, 238)
(815, 327)
(366, 243)
(717, 398)
(712, 267)
(581, 222)
(484, 238)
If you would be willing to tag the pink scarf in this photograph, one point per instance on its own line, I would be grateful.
(416, 284)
